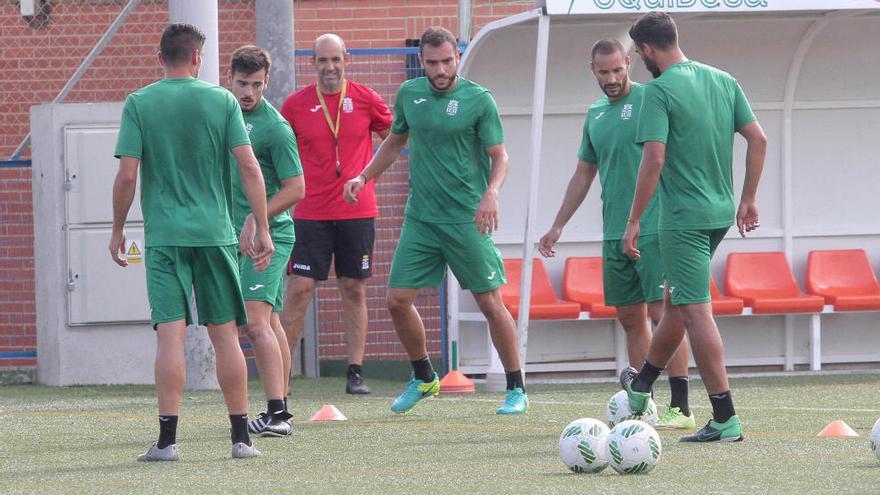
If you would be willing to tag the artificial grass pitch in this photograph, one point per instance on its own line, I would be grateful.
(85, 440)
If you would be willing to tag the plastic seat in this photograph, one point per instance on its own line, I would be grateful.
(722, 304)
(545, 305)
(766, 284)
(844, 278)
(582, 283)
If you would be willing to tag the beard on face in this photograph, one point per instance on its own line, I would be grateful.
(435, 82)
(609, 88)
(652, 67)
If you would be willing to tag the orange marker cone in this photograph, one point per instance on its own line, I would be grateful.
(837, 428)
(329, 413)
(455, 382)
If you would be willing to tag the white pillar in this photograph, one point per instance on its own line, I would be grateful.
(200, 360)
(202, 14)
(275, 34)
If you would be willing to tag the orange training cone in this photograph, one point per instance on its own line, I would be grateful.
(837, 428)
(329, 413)
(455, 382)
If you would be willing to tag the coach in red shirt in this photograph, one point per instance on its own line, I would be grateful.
(334, 121)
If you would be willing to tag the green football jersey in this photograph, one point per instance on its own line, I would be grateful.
(275, 148)
(695, 109)
(181, 130)
(448, 136)
(609, 141)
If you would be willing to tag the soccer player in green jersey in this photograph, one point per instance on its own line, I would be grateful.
(634, 287)
(275, 148)
(689, 115)
(179, 131)
(457, 165)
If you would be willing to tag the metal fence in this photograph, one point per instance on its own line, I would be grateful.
(382, 69)
(42, 51)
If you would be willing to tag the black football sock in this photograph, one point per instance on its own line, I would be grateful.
(354, 369)
(722, 406)
(423, 370)
(514, 380)
(644, 381)
(239, 429)
(679, 387)
(167, 431)
(275, 406)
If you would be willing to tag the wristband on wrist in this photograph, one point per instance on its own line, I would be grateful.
(365, 178)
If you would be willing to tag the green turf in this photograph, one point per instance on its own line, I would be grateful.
(85, 439)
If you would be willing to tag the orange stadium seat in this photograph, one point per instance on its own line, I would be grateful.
(544, 303)
(582, 283)
(766, 284)
(844, 278)
(722, 304)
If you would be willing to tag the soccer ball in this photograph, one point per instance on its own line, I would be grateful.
(633, 447)
(618, 410)
(874, 439)
(581, 445)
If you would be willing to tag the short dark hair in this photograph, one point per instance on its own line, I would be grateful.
(607, 46)
(656, 29)
(436, 36)
(178, 43)
(249, 59)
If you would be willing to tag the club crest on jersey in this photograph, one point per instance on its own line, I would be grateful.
(627, 112)
(347, 105)
(452, 108)
(249, 127)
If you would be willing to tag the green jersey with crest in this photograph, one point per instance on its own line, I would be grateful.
(609, 141)
(275, 148)
(448, 136)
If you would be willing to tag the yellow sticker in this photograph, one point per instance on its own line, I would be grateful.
(134, 253)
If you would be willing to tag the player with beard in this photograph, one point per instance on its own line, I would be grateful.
(634, 287)
(275, 148)
(457, 166)
(689, 115)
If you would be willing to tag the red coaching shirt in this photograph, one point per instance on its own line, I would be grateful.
(363, 112)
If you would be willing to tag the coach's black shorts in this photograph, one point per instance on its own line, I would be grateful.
(348, 243)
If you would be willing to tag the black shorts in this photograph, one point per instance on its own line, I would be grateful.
(348, 243)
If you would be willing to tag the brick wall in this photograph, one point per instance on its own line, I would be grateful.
(36, 63)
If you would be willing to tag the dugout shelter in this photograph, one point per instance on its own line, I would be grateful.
(810, 70)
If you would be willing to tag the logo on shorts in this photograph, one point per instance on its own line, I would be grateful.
(298, 266)
(452, 108)
(365, 262)
(627, 112)
(492, 277)
(347, 105)
(258, 286)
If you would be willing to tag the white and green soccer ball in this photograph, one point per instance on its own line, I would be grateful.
(633, 447)
(582, 445)
(618, 410)
(874, 439)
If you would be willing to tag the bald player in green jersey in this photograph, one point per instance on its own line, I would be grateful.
(689, 115)
(275, 148)
(457, 165)
(180, 131)
(634, 287)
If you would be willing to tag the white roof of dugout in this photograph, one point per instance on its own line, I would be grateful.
(787, 54)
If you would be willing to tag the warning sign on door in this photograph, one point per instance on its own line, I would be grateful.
(134, 251)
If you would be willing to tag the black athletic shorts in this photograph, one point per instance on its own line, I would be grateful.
(348, 243)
